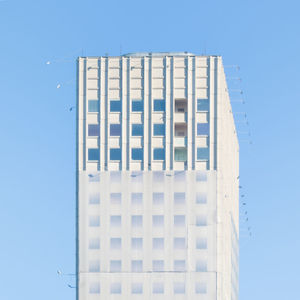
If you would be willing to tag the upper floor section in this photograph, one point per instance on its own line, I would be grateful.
(148, 111)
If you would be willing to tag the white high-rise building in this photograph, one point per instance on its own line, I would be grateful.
(157, 179)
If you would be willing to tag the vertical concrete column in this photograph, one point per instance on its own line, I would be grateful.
(102, 117)
(148, 112)
(194, 105)
(85, 114)
(124, 96)
(211, 118)
(145, 74)
(106, 113)
(168, 113)
(172, 112)
(189, 93)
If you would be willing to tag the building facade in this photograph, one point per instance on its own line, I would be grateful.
(157, 179)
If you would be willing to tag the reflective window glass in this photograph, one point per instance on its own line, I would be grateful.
(137, 105)
(137, 130)
(115, 106)
(202, 128)
(115, 129)
(93, 154)
(93, 106)
(159, 129)
(159, 105)
(94, 130)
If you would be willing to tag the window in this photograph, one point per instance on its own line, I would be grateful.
(94, 198)
(94, 266)
(158, 265)
(179, 176)
(201, 266)
(115, 243)
(94, 244)
(137, 105)
(136, 198)
(179, 198)
(137, 153)
(136, 221)
(94, 288)
(158, 221)
(202, 105)
(93, 154)
(201, 243)
(159, 105)
(159, 154)
(116, 288)
(179, 265)
(93, 106)
(179, 243)
(159, 129)
(158, 243)
(202, 153)
(115, 176)
(200, 288)
(115, 154)
(137, 243)
(115, 221)
(201, 198)
(201, 220)
(115, 198)
(202, 128)
(180, 154)
(201, 176)
(179, 220)
(115, 129)
(158, 288)
(115, 106)
(94, 221)
(158, 198)
(115, 266)
(93, 129)
(137, 288)
(179, 288)
(137, 130)
(158, 176)
(137, 266)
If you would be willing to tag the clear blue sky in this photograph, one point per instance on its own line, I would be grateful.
(37, 153)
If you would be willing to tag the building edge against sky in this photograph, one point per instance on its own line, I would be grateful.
(147, 113)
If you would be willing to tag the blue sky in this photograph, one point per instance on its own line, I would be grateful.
(37, 153)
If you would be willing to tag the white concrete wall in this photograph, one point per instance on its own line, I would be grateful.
(197, 205)
(180, 80)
